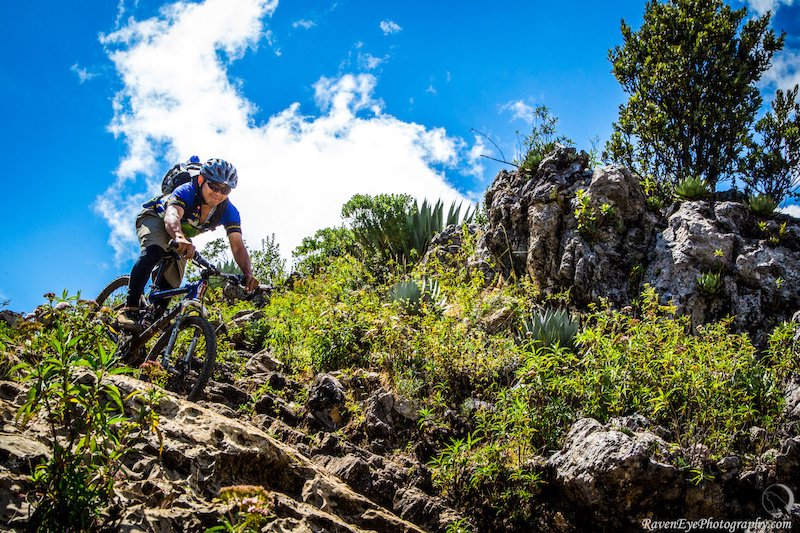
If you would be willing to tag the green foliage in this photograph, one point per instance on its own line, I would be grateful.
(268, 266)
(541, 141)
(394, 228)
(379, 224)
(89, 431)
(691, 72)
(414, 296)
(691, 189)
(320, 325)
(784, 352)
(772, 167)
(426, 220)
(590, 218)
(551, 327)
(316, 253)
(710, 283)
(705, 388)
(250, 509)
(761, 205)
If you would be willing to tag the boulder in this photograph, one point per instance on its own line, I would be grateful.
(613, 474)
(262, 362)
(326, 402)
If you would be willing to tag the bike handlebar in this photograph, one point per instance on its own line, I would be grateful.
(201, 261)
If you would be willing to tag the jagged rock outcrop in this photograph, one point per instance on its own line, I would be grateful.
(615, 476)
(590, 231)
(203, 451)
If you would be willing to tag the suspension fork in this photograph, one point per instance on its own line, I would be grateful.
(173, 336)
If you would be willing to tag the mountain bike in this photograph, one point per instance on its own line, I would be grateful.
(186, 349)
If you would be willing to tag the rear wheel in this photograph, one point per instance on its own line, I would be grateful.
(109, 302)
(191, 359)
(112, 297)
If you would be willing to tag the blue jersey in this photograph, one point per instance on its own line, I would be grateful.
(188, 197)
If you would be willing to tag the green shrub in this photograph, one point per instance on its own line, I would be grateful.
(396, 228)
(588, 217)
(541, 141)
(706, 388)
(89, 431)
(413, 296)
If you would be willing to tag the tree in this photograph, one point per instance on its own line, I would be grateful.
(772, 167)
(316, 252)
(379, 224)
(691, 73)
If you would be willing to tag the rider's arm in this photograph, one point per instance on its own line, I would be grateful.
(172, 223)
(242, 259)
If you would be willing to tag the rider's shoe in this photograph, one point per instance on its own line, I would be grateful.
(128, 319)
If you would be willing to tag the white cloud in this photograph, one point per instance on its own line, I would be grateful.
(793, 210)
(369, 61)
(784, 72)
(83, 74)
(296, 170)
(388, 27)
(272, 41)
(519, 111)
(475, 158)
(305, 24)
(762, 6)
(431, 89)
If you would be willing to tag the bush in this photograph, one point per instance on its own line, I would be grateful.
(541, 141)
(706, 388)
(89, 431)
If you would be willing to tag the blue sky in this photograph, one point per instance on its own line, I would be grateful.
(313, 101)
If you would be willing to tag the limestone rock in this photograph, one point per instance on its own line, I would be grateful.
(611, 473)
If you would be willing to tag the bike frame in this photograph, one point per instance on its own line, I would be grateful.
(192, 300)
(194, 293)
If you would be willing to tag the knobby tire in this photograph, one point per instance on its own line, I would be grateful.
(202, 369)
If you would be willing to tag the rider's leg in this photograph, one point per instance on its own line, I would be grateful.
(162, 284)
(147, 261)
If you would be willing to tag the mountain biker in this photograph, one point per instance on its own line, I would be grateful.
(192, 208)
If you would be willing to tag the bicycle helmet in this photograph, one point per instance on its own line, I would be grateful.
(220, 171)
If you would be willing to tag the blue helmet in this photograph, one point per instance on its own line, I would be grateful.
(220, 171)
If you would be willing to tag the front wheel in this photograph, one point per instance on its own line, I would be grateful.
(191, 359)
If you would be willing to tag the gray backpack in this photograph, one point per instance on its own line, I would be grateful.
(180, 174)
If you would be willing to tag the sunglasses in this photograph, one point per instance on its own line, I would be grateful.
(219, 187)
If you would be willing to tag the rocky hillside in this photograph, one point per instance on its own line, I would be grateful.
(336, 409)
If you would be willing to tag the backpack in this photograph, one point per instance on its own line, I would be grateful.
(180, 174)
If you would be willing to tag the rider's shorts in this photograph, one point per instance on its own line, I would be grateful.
(150, 230)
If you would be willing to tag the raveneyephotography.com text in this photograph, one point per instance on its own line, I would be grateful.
(706, 524)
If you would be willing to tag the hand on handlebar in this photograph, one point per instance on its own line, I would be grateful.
(185, 248)
(250, 283)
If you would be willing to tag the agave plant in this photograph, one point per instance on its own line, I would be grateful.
(412, 294)
(691, 189)
(710, 283)
(551, 326)
(762, 205)
(396, 235)
(425, 221)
